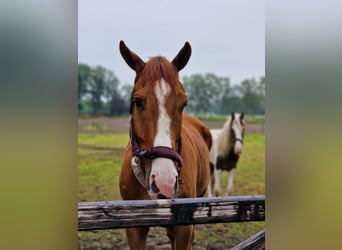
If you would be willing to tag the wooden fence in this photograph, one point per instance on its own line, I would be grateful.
(123, 214)
(136, 213)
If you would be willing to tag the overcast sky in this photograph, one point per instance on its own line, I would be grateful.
(227, 37)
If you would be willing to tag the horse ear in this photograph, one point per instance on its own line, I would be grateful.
(242, 115)
(182, 57)
(232, 115)
(132, 59)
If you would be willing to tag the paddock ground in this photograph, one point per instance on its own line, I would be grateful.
(97, 181)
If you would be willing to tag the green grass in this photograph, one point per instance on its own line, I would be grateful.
(98, 180)
(249, 180)
(104, 140)
(99, 166)
(250, 176)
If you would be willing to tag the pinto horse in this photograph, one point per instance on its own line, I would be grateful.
(168, 153)
(225, 152)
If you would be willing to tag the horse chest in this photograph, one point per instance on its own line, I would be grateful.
(228, 161)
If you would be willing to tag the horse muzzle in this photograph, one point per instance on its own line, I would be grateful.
(163, 179)
(238, 146)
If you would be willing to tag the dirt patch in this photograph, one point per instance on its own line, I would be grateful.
(116, 150)
(157, 239)
(104, 125)
(250, 128)
(121, 125)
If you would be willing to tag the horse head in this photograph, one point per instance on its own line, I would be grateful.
(238, 129)
(157, 103)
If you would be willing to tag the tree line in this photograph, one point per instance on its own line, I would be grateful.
(100, 93)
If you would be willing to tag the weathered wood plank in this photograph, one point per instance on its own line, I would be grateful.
(255, 242)
(123, 214)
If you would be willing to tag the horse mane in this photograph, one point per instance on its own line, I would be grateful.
(159, 67)
(224, 142)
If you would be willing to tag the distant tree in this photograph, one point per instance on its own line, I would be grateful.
(231, 103)
(198, 93)
(98, 93)
(262, 93)
(102, 88)
(261, 86)
(224, 96)
(219, 88)
(121, 104)
(126, 92)
(84, 72)
(205, 92)
(118, 106)
(251, 96)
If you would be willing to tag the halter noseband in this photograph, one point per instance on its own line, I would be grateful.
(157, 151)
(238, 139)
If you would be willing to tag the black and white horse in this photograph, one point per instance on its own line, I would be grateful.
(225, 152)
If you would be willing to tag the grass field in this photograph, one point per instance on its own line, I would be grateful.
(99, 166)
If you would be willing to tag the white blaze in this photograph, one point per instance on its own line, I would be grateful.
(163, 171)
(163, 136)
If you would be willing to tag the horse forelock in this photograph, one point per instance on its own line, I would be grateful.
(158, 68)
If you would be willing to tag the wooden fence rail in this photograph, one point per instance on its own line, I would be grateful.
(123, 214)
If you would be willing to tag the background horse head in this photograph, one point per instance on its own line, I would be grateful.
(166, 144)
(225, 152)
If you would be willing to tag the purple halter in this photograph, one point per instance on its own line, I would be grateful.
(156, 152)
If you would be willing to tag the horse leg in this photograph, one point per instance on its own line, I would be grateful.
(181, 237)
(217, 173)
(211, 183)
(136, 237)
(231, 174)
(209, 188)
(171, 236)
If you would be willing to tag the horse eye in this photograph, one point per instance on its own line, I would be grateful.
(183, 106)
(139, 103)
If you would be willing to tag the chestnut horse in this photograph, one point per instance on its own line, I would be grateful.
(168, 153)
(225, 152)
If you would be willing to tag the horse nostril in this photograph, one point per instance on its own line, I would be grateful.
(154, 187)
(160, 196)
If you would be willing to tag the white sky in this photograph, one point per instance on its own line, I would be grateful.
(227, 37)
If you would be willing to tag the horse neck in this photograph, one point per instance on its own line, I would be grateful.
(224, 141)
